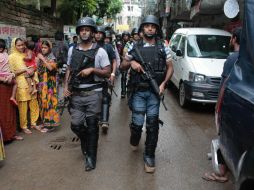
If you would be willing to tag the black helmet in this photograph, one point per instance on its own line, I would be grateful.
(125, 33)
(134, 31)
(101, 29)
(151, 19)
(108, 34)
(118, 37)
(86, 21)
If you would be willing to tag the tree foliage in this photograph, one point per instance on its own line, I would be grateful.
(72, 10)
(115, 7)
(102, 8)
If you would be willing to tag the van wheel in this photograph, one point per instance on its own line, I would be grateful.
(182, 96)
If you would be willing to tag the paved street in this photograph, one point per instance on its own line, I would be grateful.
(54, 160)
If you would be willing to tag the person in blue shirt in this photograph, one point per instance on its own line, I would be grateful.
(229, 63)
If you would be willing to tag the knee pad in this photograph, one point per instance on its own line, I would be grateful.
(79, 130)
(152, 123)
(135, 128)
(136, 132)
(92, 123)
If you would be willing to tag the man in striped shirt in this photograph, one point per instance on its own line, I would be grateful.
(144, 102)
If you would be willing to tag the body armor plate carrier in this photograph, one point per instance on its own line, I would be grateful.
(155, 56)
(82, 60)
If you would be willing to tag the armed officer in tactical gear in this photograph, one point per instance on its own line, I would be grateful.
(135, 39)
(125, 38)
(108, 40)
(99, 38)
(135, 35)
(88, 66)
(144, 101)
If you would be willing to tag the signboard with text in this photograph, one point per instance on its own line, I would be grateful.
(8, 32)
(12, 31)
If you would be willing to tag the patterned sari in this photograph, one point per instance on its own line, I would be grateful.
(47, 91)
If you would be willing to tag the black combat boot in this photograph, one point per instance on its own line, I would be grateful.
(152, 131)
(136, 132)
(83, 145)
(91, 143)
(80, 131)
(106, 99)
(123, 84)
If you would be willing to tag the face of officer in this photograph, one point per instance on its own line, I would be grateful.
(149, 30)
(99, 36)
(136, 37)
(75, 39)
(86, 33)
(107, 40)
(126, 38)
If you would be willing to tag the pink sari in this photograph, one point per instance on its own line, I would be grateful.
(4, 65)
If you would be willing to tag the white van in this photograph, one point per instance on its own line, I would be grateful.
(198, 56)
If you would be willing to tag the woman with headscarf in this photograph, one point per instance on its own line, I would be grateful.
(47, 71)
(23, 96)
(8, 111)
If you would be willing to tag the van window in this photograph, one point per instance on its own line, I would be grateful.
(208, 46)
(174, 42)
(182, 44)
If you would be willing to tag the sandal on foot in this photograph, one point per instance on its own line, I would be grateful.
(27, 131)
(18, 138)
(214, 177)
(39, 128)
(220, 179)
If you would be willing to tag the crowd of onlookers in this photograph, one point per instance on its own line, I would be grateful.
(29, 77)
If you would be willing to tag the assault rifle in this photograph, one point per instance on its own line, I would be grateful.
(148, 75)
(111, 87)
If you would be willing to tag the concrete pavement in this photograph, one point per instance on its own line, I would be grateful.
(53, 161)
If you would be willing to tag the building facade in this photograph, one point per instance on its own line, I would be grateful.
(130, 15)
(174, 14)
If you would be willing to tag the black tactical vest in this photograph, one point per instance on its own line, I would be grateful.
(155, 56)
(82, 60)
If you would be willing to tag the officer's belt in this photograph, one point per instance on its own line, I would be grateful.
(142, 87)
(86, 91)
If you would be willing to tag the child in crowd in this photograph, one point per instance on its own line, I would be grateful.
(30, 61)
(5, 72)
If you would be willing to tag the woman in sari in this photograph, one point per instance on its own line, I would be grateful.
(48, 101)
(23, 96)
(8, 110)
